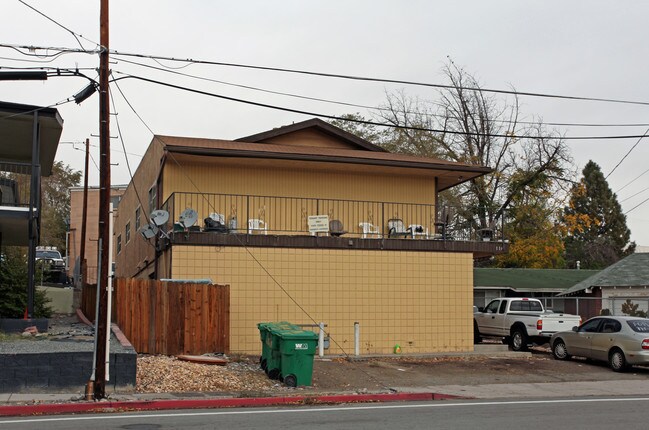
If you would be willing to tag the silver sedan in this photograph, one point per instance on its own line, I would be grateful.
(622, 341)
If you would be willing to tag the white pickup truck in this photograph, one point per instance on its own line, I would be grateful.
(519, 322)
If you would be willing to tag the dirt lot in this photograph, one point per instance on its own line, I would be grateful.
(242, 374)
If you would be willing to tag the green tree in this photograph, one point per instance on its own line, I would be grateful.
(595, 228)
(535, 239)
(56, 203)
(13, 286)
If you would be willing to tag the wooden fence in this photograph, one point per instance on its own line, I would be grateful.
(89, 301)
(173, 318)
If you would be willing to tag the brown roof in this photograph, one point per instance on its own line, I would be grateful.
(318, 124)
(448, 173)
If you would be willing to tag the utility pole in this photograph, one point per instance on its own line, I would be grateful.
(104, 202)
(84, 219)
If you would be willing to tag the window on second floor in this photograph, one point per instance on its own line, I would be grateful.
(153, 193)
(119, 243)
(127, 232)
(137, 218)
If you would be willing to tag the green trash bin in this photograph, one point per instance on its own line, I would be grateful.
(270, 355)
(297, 348)
(264, 332)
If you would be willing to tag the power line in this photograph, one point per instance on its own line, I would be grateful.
(630, 197)
(638, 205)
(321, 115)
(75, 35)
(172, 70)
(97, 146)
(383, 80)
(633, 180)
(627, 154)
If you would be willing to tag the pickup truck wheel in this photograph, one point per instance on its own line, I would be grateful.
(559, 350)
(476, 333)
(519, 340)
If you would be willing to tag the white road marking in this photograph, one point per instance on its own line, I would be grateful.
(105, 416)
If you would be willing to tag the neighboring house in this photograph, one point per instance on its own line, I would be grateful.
(544, 284)
(92, 229)
(626, 280)
(29, 138)
(311, 224)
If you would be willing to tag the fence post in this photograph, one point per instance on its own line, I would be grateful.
(321, 340)
(357, 339)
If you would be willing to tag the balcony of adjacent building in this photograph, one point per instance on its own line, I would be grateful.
(15, 195)
(271, 221)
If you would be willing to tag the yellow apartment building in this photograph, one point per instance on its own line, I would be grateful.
(308, 223)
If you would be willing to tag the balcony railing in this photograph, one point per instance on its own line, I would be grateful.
(15, 184)
(269, 215)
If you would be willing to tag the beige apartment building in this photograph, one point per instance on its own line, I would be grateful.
(308, 223)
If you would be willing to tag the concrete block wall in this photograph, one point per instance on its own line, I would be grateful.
(62, 372)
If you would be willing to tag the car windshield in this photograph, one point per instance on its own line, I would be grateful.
(640, 326)
(48, 254)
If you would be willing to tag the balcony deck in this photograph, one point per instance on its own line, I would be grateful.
(286, 224)
(479, 249)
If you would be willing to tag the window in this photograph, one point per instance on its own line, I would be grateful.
(640, 326)
(153, 194)
(590, 326)
(127, 232)
(525, 305)
(119, 244)
(115, 201)
(492, 307)
(503, 306)
(137, 218)
(611, 326)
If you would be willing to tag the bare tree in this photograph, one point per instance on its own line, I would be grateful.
(478, 128)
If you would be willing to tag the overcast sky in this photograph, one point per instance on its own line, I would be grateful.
(582, 48)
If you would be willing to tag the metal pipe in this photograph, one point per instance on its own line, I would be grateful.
(321, 340)
(109, 287)
(94, 350)
(357, 339)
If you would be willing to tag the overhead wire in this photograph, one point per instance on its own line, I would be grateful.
(383, 80)
(632, 196)
(637, 206)
(627, 154)
(633, 180)
(143, 208)
(171, 70)
(74, 34)
(355, 120)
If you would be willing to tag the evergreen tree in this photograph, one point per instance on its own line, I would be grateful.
(595, 228)
(13, 286)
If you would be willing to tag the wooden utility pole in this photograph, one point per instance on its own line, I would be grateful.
(104, 203)
(84, 218)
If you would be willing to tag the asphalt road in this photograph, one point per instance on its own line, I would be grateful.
(576, 413)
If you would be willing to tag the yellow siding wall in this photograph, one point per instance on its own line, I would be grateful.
(419, 300)
(300, 180)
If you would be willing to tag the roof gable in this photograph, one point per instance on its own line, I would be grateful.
(313, 132)
(631, 271)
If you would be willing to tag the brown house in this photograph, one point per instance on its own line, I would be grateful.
(92, 229)
(309, 223)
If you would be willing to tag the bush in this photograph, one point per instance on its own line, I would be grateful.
(13, 286)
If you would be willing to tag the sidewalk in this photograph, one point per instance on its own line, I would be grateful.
(493, 373)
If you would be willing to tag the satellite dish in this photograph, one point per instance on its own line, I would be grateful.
(159, 217)
(149, 231)
(188, 218)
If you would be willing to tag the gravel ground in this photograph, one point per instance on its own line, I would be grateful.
(163, 374)
(65, 334)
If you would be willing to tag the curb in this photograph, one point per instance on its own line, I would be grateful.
(148, 405)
